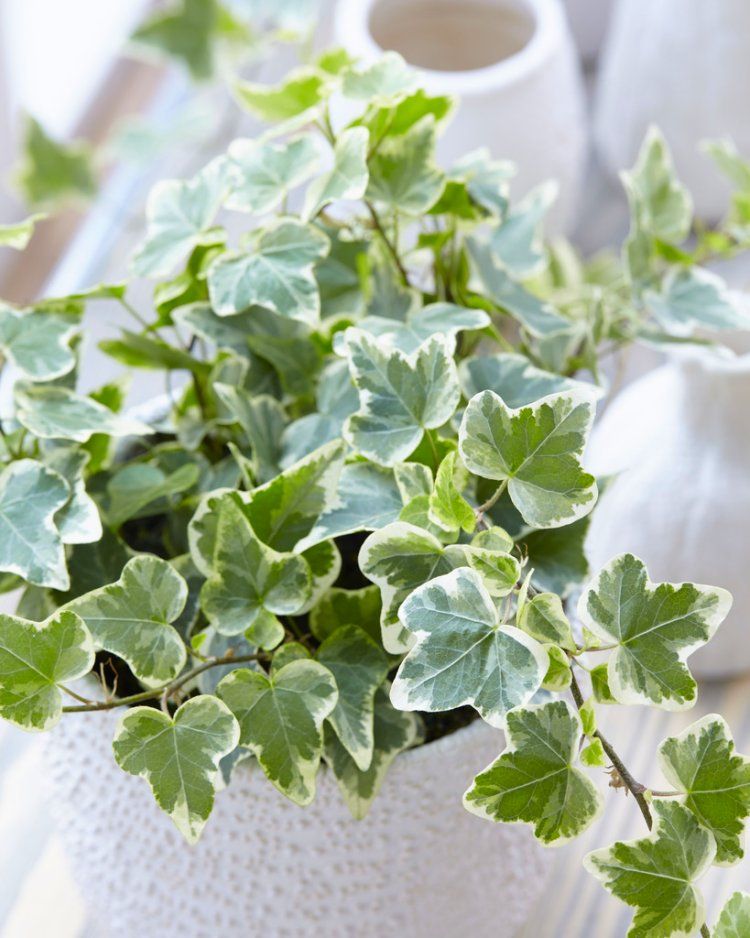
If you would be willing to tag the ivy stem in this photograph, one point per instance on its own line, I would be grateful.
(633, 786)
(72, 693)
(491, 501)
(165, 690)
(133, 312)
(387, 241)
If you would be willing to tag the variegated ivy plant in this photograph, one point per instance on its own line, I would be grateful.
(355, 525)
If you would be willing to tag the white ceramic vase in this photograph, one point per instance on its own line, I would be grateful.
(419, 865)
(679, 440)
(512, 64)
(685, 66)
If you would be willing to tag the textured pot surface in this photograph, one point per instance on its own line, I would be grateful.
(683, 65)
(418, 865)
(527, 106)
(682, 499)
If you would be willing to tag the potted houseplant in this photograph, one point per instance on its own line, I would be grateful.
(337, 554)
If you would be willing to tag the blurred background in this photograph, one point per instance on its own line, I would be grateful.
(98, 100)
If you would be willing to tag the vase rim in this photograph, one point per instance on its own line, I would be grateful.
(548, 23)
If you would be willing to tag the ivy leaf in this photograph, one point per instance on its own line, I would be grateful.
(52, 173)
(30, 544)
(55, 412)
(734, 921)
(543, 618)
(38, 344)
(281, 718)
(559, 674)
(296, 100)
(512, 377)
(499, 571)
(78, 520)
(284, 511)
(701, 762)
(486, 180)
(131, 618)
(656, 874)
(517, 243)
(179, 756)
(448, 508)
(379, 83)
(536, 449)
(659, 204)
(655, 628)
(419, 323)
(403, 174)
(463, 654)
(398, 558)
(538, 317)
(262, 420)
(249, 582)
(347, 179)
(693, 298)
(18, 235)
(339, 607)
(276, 272)
(35, 659)
(139, 490)
(324, 561)
(367, 499)
(359, 667)
(400, 396)
(263, 174)
(394, 731)
(180, 216)
(535, 780)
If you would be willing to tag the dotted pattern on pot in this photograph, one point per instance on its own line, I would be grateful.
(418, 865)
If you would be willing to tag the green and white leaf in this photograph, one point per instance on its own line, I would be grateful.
(132, 618)
(734, 921)
(695, 298)
(701, 762)
(55, 412)
(35, 659)
(141, 490)
(295, 101)
(535, 781)
(403, 174)
(179, 756)
(407, 332)
(281, 721)
(517, 243)
(261, 175)
(538, 317)
(275, 271)
(51, 173)
(262, 420)
(31, 546)
(513, 378)
(18, 235)
(250, 583)
(379, 83)
(400, 396)
(487, 180)
(657, 874)
(398, 558)
(536, 450)
(655, 627)
(359, 666)
(447, 507)
(394, 731)
(347, 179)
(37, 343)
(185, 31)
(78, 520)
(340, 607)
(180, 215)
(544, 619)
(463, 654)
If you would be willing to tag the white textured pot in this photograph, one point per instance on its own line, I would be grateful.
(514, 67)
(589, 20)
(685, 66)
(418, 865)
(679, 439)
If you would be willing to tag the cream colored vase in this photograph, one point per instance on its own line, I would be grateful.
(680, 439)
(419, 866)
(685, 66)
(512, 64)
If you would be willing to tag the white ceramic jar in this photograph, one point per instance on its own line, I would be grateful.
(419, 865)
(685, 66)
(514, 67)
(679, 440)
